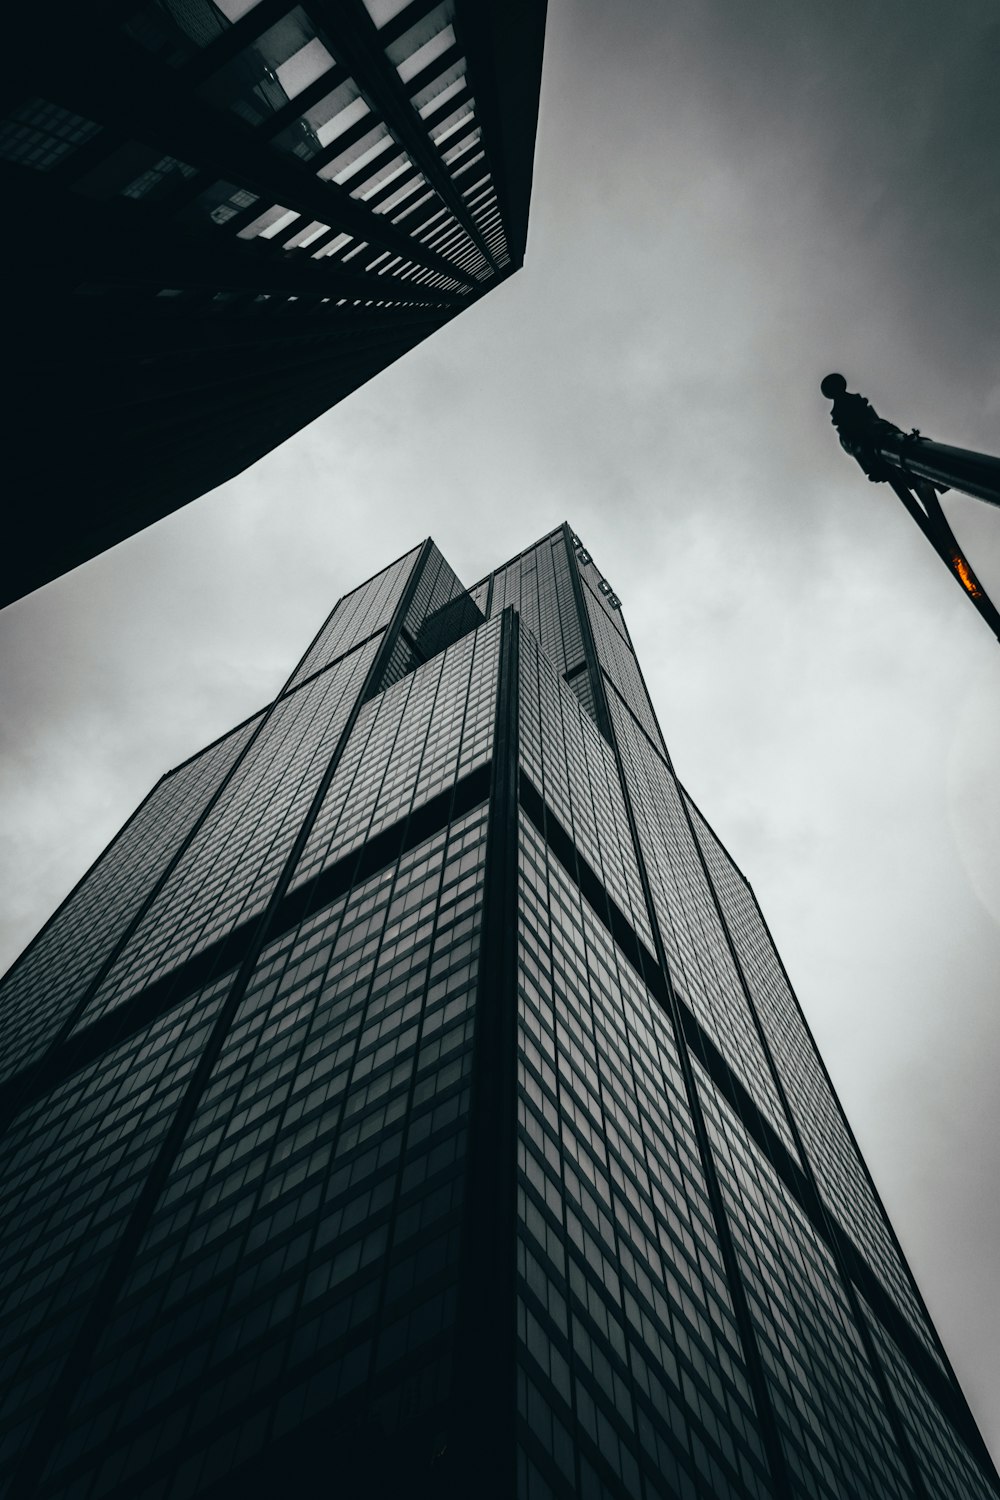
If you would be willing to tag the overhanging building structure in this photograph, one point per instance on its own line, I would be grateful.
(223, 217)
(411, 1101)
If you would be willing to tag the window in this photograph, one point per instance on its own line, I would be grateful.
(41, 135)
(428, 40)
(218, 204)
(324, 122)
(134, 171)
(286, 59)
(271, 222)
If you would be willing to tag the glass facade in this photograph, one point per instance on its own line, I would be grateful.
(357, 617)
(74, 1163)
(835, 1432)
(57, 971)
(840, 1171)
(411, 1101)
(229, 868)
(631, 1372)
(305, 1246)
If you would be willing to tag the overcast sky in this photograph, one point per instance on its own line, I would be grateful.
(730, 200)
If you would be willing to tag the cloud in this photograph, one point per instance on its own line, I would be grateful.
(729, 201)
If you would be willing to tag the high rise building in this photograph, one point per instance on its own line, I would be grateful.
(226, 215)
(411, 1101)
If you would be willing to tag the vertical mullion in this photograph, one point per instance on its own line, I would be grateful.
(879, 1375)
(589, 648)
(22, 1086)
(756, 1372)
(64, 1388)
(483, 1461)
(356, 39)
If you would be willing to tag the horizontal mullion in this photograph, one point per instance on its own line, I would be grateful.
(401, 23)
(467, 167)
(129, 249)
(434, 207)
(387, 189)
(464, 96)
(355, 39)
(765, 1138)
(238, 35)
(359, 865)
(350, 137)
(434, 70)
(188, 128)
(297, 107)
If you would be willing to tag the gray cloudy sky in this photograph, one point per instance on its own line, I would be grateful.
(730, 200)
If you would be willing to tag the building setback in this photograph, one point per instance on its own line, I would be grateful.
(411, 1101)
(223, 217)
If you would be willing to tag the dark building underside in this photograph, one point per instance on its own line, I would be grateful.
(221, 227)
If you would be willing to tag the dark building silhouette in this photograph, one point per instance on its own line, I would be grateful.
(224, 216)
(411, 1101)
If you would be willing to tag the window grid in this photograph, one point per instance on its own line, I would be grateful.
(412, 741)
(227, 874)
(71, 1169)
(573, 768)
(618, 662)
(41, 135)
(356, 616)
(631, 1375)
(39, 993)
(945, 1463)
(834, 1428)
(305, 1244)
(700, 961)
(593, 580)
(539, 586)
(842, 1178)
(339, 131)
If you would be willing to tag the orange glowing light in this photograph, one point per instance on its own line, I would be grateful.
(967, 580)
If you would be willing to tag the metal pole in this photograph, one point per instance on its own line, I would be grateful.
(879, 445)
(953, 468)
(918, 469)
(920, 499)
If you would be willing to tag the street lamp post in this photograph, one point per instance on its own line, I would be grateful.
(918, 470)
